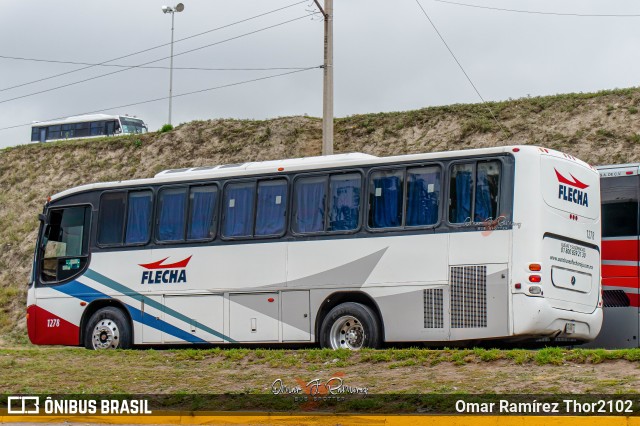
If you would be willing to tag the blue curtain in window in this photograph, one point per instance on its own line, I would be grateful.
(309, 203)
(483, 196)
(387, 208)
(138, 219)
(345, 203)
(272, 202)
(463, 196)
(172, 215)
(422, 204)
(202, 208)
(111, 218)
(238, 207)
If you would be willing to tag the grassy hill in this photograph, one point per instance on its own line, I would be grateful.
(600, 128)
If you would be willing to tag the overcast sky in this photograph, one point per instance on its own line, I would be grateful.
(387, 56)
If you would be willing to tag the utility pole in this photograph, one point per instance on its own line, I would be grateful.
(327, 89)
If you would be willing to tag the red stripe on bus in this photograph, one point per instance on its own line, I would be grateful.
(620, 250)
(634, 299)
(629, 282)
(619, 271)
(46, 328)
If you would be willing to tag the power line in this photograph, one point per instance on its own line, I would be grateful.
(166, 97)
(533, 12)
(157, 68)
(155, 47)
(460, 65)
(154, 61)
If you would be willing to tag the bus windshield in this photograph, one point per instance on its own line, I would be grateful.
(130, 125)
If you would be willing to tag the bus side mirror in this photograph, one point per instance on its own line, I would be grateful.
(42, 218)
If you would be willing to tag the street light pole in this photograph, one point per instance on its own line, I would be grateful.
(172, 10)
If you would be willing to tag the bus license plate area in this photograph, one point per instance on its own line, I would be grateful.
(570, 279)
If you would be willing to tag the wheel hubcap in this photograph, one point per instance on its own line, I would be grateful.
(106, 335)
(347, 332)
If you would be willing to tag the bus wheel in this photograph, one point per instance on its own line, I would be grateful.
(108, 328)
(350, 326)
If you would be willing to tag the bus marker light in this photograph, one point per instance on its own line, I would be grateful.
(281, 169)
(535, 278)
(629, 173)
(518, 286)
(535, 267)
(534, 289)
(516, 149)
(83, 303)
(271, 300)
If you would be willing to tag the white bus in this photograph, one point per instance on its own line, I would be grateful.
(86, 126)
(345, 251)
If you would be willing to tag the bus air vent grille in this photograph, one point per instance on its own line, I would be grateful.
(433, 308)
(468, 296)
(615, 299)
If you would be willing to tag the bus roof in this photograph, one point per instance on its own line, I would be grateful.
(305, 163)
(81, 119)
(614, 170)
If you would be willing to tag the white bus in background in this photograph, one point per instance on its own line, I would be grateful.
(86, 126)
(345, 251)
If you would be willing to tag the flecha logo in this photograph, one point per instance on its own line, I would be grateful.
(23, 405)
(571, 190)
(160, 273)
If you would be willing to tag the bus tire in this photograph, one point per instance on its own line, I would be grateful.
(350, 326)
(108, 328)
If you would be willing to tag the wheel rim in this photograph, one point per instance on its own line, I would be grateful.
(347, 333)
(106, 335)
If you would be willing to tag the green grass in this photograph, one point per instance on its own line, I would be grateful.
(251, 371)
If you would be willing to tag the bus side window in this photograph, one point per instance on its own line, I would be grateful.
(203, 202)
(120, 209)
(272, 208)
(65, 243)
(386, 199)
(344, 208)
(139, 210)
(172, 206)
(423, 196)
(487, 191)
(111, 218)
(461, 193)
(620, 219)
(309, 201)
(238, 210)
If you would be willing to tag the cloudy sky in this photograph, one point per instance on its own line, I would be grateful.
(387, 56)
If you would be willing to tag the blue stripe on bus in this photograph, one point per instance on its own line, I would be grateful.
(108, 282)
(88, 294)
